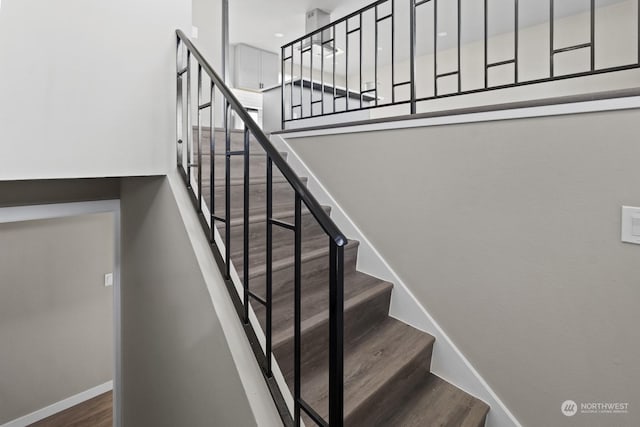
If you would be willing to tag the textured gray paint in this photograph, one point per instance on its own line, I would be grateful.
(56, 316)
(509, 234)
(177, 367)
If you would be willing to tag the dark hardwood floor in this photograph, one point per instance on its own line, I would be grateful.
(96, 412)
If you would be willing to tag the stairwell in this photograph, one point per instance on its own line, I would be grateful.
(387, 378)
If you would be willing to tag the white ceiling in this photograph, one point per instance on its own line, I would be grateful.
(255, 22)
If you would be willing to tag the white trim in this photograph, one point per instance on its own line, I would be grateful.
(447, 361)
(507, 114)
(60, 406)
(63, 210)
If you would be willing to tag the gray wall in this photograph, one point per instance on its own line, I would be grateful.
(177, 367)
(44, 191)
(508, 233)
(56, 316)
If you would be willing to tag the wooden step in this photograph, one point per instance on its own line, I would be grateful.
(315, 263)
(378, 367)
(366, 304)
(236, 137)
(313, 236)
(257, 167)
(432, 402)
(283, 196)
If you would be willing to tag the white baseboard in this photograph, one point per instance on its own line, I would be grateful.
(448, 361)
(60, 406)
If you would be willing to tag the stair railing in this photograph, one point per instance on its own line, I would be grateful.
(188, 162)
(340, 48)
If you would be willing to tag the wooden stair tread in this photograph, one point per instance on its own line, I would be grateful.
(358, 288)
(284, 213)
(370, 363)
(438, 403)
(287, 262)
(240, 181)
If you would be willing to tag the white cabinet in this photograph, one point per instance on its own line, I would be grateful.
(255, 69)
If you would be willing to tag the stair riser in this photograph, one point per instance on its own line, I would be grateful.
(257, 168)
(315, 272)
(281, 236)
(358, 319)
(237, 142)
(283, 195)
(392, 395)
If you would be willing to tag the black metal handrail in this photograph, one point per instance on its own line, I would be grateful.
(321, 216)
(299, 108)
(336, 240)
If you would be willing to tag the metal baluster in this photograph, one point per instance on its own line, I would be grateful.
(515, 42)
(336, 334)
(189, 128)
(551, 30)
(227, 192)
(435, 47)
(459, 42)
(297, 309)
(322, 72)
(311, 77)
(346, 65)
(179, 108)
(375, 50)
(199, 166)
(282, 118)
(486, 48)
(269, 260)
(291, 78)
(360, 54)
(593, 35)
(412, 54)
(333, 36)
(245, 279)
(393, 52)
(212, 160)
(301, 81)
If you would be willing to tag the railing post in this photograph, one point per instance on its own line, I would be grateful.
(212, 162)
(336, 335)
(245, 209)
(179, 110)
(189, 127)
(269, 266)
(199, 165)
(227, 193)
(297, 326)
(412, 54)
(282, 88)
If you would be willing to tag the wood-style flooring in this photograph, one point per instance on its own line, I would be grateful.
(96, 412)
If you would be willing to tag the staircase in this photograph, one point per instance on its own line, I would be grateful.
(387, 378)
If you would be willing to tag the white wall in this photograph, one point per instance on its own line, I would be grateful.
(88, 87)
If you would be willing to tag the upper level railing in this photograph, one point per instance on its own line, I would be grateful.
(191, 162)
(338, 68)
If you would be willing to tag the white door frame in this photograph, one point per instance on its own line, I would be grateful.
(62, 210)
